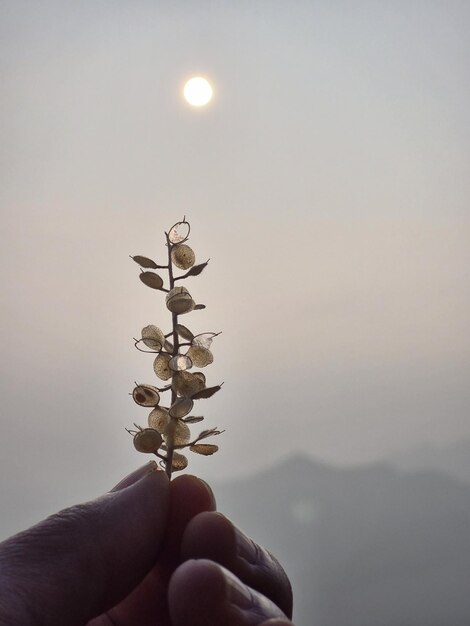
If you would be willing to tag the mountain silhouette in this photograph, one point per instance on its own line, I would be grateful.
(363, 546)
(451, 458)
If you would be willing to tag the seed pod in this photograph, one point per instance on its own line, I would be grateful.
(182, 434)
(200, 356)
(181, 407)
(179, 301)
(187, 384)
(208, 392)
(144, 261)
(153, 337)
(204, 448)
(161, 366)
(147, 440)
(184, 332)
(151, 280)
(159, 419)
(179, 232)
(197, 269)
(201, 377)
(146, 395)
(203, 340)
(180, 363)
(193, 419)
(183, 256)
(180, 462)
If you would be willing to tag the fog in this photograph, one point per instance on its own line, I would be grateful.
(327, 182)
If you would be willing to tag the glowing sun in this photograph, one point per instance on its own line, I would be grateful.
(198, 91)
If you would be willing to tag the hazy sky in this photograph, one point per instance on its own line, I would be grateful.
(328, 182)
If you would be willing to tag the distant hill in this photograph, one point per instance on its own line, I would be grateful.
(366, 546)
(452, 459)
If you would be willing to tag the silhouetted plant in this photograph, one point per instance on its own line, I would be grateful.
(178, 352)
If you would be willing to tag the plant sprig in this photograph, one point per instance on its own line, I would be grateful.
(168, 431)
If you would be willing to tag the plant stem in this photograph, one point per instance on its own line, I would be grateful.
(170, 437)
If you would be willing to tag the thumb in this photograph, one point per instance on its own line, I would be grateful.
(79, 562)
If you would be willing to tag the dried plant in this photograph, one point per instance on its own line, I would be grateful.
(177, 352)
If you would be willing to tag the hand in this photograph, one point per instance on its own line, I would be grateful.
(116, 561)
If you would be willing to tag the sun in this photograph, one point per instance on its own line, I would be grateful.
(198, 91)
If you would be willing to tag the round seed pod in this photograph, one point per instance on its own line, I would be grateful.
(179, 301)
(184, 332)
(159, 419)
(146, 395)
(151, 280)
(204, 340)
(201, 377)
(153, 337)
(144, 261)
(179, 232)
(204, 448)
(186, 383)
(182, 434)
(181, 407)
(200, 356)
(147, 440)
(161, 366)
(180, 363)
(180, 462)
(183, 256)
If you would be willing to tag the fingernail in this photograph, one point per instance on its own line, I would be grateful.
(136, 475)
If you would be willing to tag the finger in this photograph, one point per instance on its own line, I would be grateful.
(213, 536)
(277, 622)
(203, 593)
(189, 496)
(79, 562)
(147, 605)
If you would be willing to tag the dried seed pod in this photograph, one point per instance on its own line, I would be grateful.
(184, 332)
(208, 392)
(146, 395)
(179, 232)
(183, 256)
(147, 440)
(179, 462)
(203, 340)
(153, 337)
(204, 448)
(197, 269)
(187, 384)
(151, 280)
(210, 432)
(161, 366)
(182, 434)
(179, 301)
(193, 419)
(159, 419)
(180, 362)
(200, 356)
(201, 376)
(144, 261)
(181, 407)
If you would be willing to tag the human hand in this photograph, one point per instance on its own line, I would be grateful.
(116, 561)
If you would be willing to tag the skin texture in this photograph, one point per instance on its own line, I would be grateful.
(148, 553)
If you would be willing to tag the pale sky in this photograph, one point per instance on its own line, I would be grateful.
(328, 181)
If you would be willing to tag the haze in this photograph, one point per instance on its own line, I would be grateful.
(328, 183)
